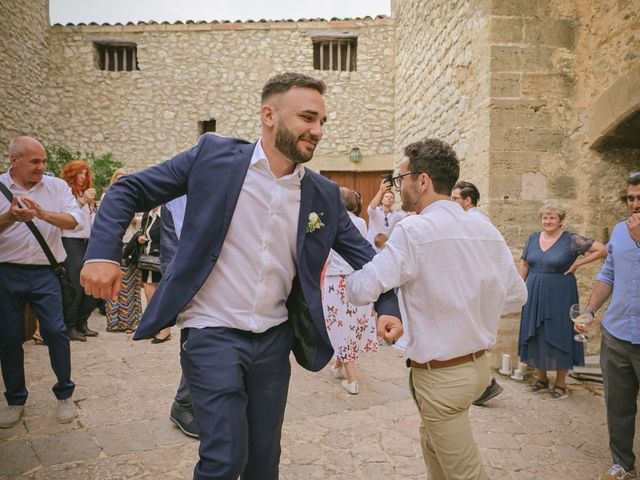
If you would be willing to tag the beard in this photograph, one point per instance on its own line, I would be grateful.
(409, 201)
(287, 144)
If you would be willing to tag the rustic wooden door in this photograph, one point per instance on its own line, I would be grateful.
(366, 183)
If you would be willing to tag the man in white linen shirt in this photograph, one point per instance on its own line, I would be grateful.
(467, 195)
(26, 275)
(382, 217)
(457, 277)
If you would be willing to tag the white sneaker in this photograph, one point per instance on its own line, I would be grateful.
(66, 410)
(352, 388)
(336, 372)
(10, 415)
(618, 472)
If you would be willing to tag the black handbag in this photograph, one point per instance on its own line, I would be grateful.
(149, 262)
(131, 251)
(68, 292)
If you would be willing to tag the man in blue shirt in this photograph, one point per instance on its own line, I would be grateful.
(620, 348)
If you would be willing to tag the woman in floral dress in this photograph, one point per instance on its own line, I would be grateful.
(351, 329)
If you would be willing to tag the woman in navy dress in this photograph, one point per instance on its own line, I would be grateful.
(548, 264)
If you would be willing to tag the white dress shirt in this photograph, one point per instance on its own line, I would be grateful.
(17, 243)
(251, 281)
(87, 221)
(381, 222)
(337, 264)
(478, 213)
(457, 277)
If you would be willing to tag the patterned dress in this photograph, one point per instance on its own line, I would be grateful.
(546, 331)
(351, 329)
(123, 313)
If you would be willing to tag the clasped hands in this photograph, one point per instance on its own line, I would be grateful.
(24, 209)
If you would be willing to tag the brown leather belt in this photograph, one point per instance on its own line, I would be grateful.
(452, 362)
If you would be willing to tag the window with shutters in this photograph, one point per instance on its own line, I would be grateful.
(117, 57)
(335, 54)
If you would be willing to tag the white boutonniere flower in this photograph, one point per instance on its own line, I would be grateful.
(315, 222)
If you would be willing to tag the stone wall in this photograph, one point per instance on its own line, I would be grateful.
(442, 78)
(194, 72)
(24, 63)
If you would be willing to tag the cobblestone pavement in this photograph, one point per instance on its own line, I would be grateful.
(125, 389)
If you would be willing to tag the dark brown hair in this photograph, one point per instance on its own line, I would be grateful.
(284, 82)
(438, 160)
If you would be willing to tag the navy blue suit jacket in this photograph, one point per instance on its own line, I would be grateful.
(212, 173)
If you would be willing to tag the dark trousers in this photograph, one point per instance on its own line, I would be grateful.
(77, 314)
(183, 396)
(38, 286)
(239, 383)
(620, 363)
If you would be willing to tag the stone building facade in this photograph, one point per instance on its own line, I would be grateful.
(540, 99)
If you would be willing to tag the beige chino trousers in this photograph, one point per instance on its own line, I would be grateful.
(443, 397)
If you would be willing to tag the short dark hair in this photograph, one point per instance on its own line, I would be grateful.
(438, 160)
(634, 178)
(283, 82)
(468, 190)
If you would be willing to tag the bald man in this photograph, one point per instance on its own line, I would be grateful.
(28, 195)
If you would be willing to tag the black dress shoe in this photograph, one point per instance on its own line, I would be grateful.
(87, 332)
(184, 419)
(75, 335)
(490, 392)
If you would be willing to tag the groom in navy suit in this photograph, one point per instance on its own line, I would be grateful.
(244, 285)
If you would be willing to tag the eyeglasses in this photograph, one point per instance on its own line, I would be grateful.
(634, 174)
(386, 221)
(397, 181)
(631, 198)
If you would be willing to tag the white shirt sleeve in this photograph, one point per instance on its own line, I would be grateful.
(392, 267)
(69, 204)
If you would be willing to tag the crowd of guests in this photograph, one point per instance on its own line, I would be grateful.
(351, 297)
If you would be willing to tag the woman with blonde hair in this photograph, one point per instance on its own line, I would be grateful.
(78, 176)
(548, 264)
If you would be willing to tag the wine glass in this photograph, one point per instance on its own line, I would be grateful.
(577, 317)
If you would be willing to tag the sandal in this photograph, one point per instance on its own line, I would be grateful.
(558, 393)
(37, 338)
(538, 386)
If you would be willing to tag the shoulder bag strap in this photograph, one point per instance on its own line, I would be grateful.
(31, 226)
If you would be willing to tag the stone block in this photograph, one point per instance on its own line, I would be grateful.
(514, 8)
(125, 438)
(506, 30)
(553, 33)
(562, 186)
(523, 116)
(534, 186)
(515, 163)
(547, 84)
(506, 186)
(505, 84)
(527, 139)
(65, 447)
(17, 457)
(521, 59)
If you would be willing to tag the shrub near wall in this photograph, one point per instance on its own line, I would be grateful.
(102, 166)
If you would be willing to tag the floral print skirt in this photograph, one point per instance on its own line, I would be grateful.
(351, 329)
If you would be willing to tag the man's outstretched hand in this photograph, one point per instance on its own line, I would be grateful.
(101, 279)
(389, 328)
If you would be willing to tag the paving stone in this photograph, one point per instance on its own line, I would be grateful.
(125, 390)
(65, 447)
(16, 457)
(125, 438)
